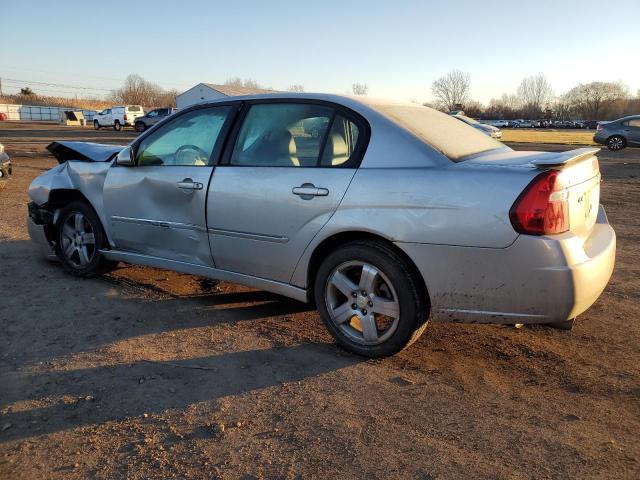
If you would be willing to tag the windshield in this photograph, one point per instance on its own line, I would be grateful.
(448, 135)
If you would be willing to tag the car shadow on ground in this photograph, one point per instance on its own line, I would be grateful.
(116, 392)
(62, 317)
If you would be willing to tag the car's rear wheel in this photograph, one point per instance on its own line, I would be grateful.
(370, 299)
(80, 239)
(140, 127)
(96, 125)
(116, 126)
(616, 142)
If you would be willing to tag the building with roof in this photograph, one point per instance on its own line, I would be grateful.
(204, 92)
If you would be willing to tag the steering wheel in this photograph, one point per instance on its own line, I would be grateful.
(191, 155)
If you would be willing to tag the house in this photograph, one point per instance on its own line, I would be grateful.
(204, 92)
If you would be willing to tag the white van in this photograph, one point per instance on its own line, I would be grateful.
(118, 117)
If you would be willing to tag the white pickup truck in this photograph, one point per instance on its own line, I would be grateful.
(118, 117)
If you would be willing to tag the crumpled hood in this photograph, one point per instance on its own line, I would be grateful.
(83, 151)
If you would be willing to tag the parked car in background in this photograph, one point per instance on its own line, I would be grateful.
(521, 123)
(394, 213)
(118, 117)
(619, 133)
(5, 163)
(314, 126)
(151, 118)
(501, 123)
(590, 124)
(490, 130)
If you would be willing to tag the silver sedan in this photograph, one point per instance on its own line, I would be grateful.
(391, 214)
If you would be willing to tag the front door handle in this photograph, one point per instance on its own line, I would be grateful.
(308, 190)
(188, 184)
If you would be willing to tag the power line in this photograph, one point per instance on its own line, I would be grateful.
(47, 84)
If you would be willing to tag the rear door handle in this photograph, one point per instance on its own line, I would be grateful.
(188, 184)
(309, 190)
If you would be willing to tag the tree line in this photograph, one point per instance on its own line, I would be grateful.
(535, 99)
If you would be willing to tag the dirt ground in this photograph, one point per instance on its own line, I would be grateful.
(146, 373)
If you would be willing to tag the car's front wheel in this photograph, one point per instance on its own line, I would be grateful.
(616, 143)
(370, 299)
(140, 127)
(96, 125)
(80, 239)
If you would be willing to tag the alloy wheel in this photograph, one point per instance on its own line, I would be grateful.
(616, 143)
(362, 303)
(78, 240)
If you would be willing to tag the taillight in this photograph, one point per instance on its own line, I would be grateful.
(542, 208)
(125, 116)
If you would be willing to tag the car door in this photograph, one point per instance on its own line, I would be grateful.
(152, 117)
(632, 130)
(279, 184)
(103, 117)
(157, 206)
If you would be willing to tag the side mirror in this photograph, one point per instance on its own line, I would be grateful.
(125, 157)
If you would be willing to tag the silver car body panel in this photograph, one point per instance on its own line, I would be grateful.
(247, 225)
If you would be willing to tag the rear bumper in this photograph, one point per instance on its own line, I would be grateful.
(600, 138)
(535, 280)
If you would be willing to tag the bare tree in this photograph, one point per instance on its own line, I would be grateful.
(238, 82)
(452, 89)
(473, 109)
(593, 101)
(534, 93)
(26, 91)
(138, 91)
(295, 88)
(360, 88)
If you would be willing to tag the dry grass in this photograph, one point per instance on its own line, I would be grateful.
(45, 101)
(569, 137)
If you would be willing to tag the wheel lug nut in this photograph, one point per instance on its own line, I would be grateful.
(370, 303)
(354, 294)
(364, 294)
(364, 312)
(354, 306)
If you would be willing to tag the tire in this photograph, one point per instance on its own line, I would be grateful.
(96, 125)
(140, 127)
(382, 281)
(116, 126)
(616, 142)
(78, 226)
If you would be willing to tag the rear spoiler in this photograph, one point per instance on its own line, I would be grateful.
(561, 159)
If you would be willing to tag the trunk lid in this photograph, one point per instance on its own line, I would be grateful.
(579, 175)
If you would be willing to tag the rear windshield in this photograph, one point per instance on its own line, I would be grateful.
(452, 137)
(134, 108)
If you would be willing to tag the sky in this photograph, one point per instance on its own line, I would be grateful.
(398, 48)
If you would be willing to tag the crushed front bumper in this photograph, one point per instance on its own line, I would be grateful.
(40, 224)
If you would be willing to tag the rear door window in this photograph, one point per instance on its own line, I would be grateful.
(134, 108)
(282, 135)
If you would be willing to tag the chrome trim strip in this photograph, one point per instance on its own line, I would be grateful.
(250, 236)
(159, 223)
(280, 288)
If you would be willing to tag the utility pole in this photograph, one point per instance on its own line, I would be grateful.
(0, 86)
